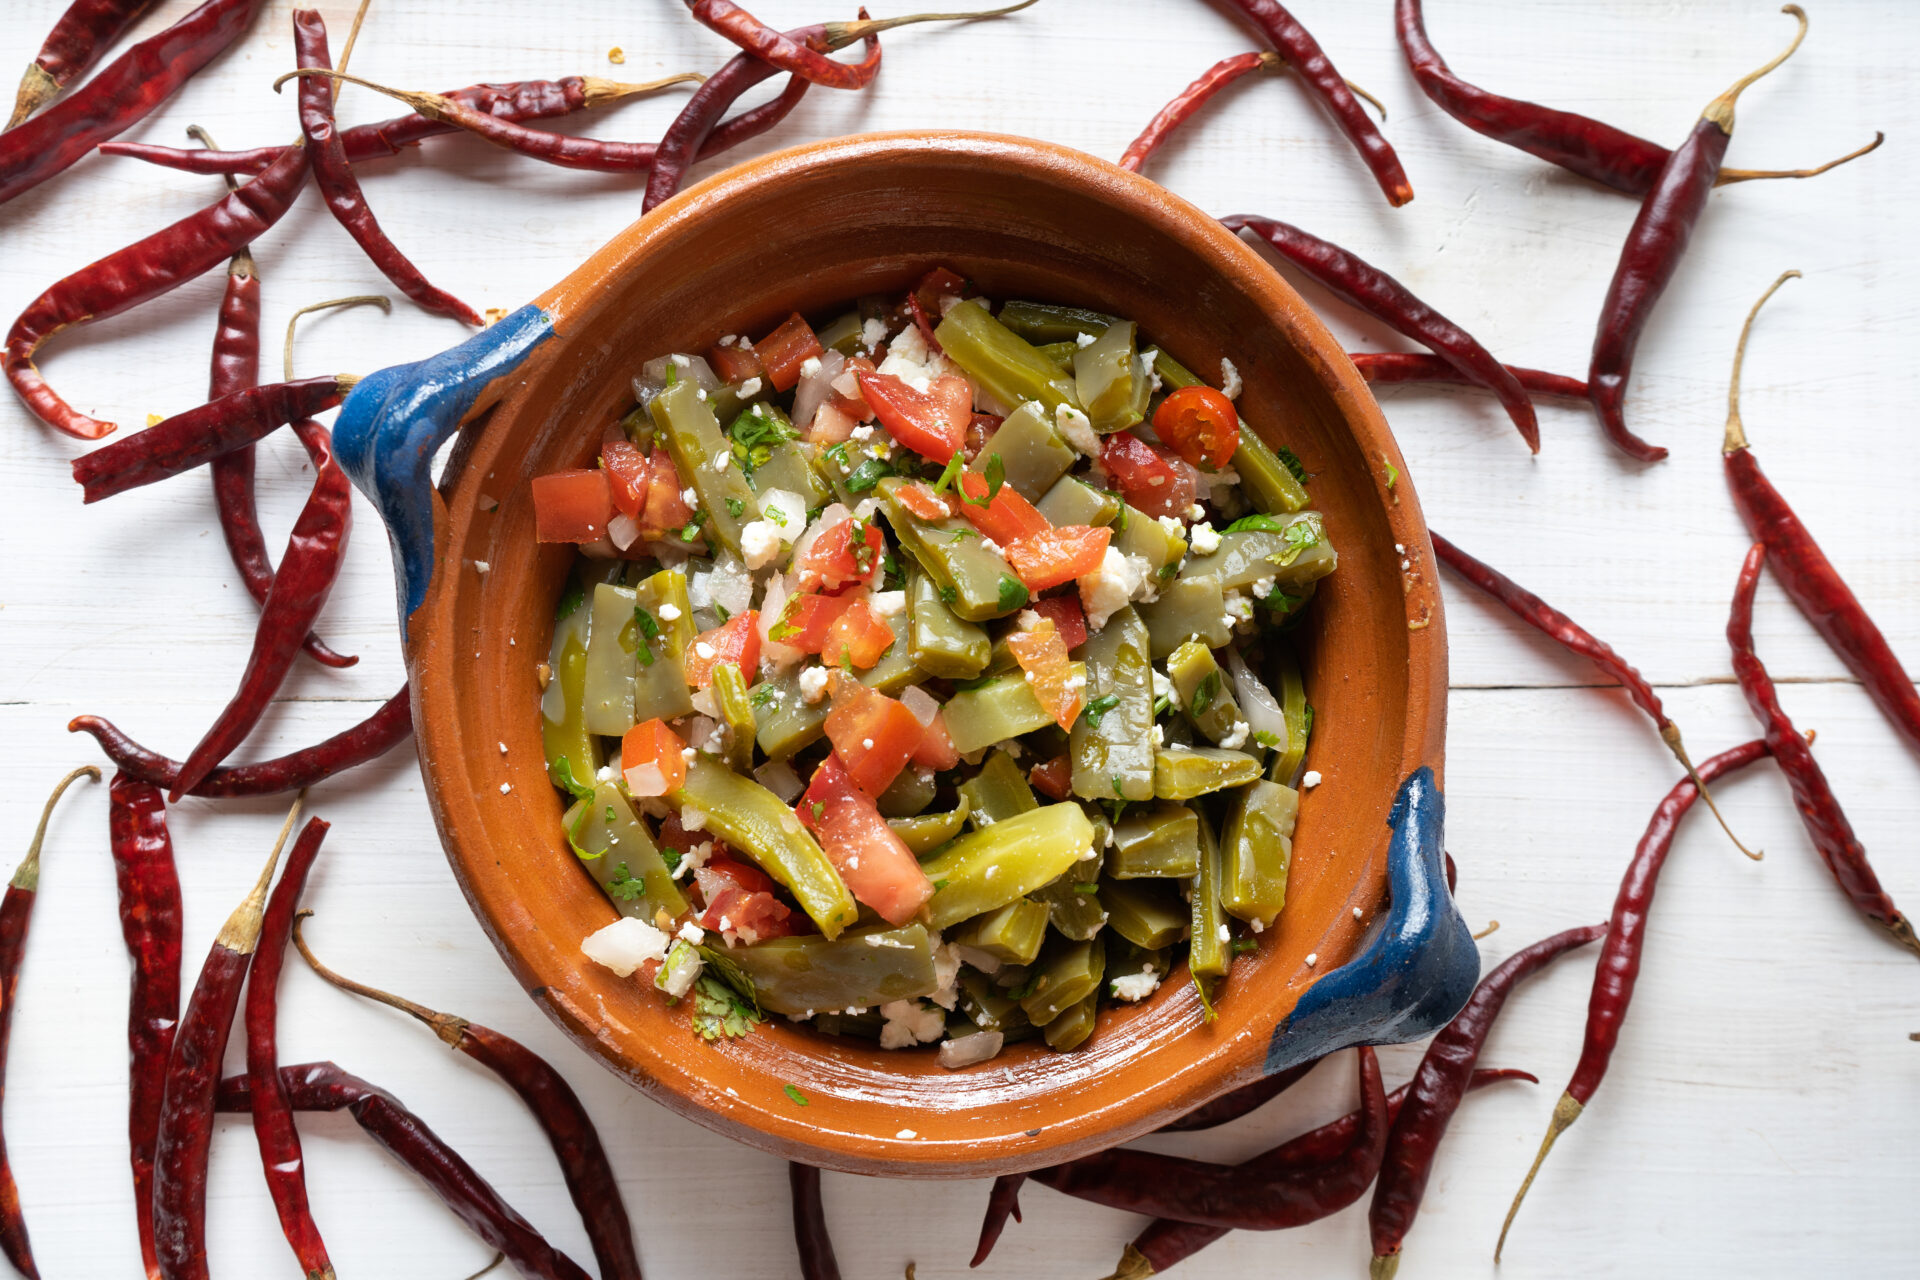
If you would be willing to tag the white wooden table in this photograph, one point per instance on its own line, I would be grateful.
(1759, 1118)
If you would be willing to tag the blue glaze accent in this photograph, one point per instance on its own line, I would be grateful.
(1416, 972)
(395, 419)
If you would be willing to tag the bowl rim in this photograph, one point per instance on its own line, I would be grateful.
(790, 1132)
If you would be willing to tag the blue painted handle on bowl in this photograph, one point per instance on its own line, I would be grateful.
(1415, 973)
(395, 419)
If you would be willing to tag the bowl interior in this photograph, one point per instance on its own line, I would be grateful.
(805, 230)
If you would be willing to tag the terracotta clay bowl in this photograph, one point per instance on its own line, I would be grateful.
(804, 229)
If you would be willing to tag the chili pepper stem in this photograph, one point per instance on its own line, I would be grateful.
(1565, 1112)
(840, 34)
(1720, 110)
(1384, 1267)
(449, 1027)
(498, 1258)
(27, 877)
(435, 106)
(599, 91)
(241, 933)
(379, 300)
(1727, 177)
(1493, 926)
(1133, 1266)
(1670, 734)
(37, 88)
(1736, 436)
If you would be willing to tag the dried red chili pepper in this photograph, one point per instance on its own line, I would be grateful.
(1231, 1106)
(1191, 99)
(1364, 285)
(1166, 1241)
(130, 87)
(519, 101)
(273, 1128)
(784, 52)
(1257, 1196)
(322, 1086)
(1297, 45)
(576, 1144)
(341, 189)
(1003, 1202)
(1386, 367)
(16, 913)
(198, 436)
(149, 892)
(1813, 798)
(810, 1225)
(78, 40)
(1577, 143)
(1619, 964)
(378, 734)
(1653, 250)
(685, 139)
(142, 271)
(1574, 638)
(1435, 1092)
(1803, 570)
(308, 569)
(193, 1073)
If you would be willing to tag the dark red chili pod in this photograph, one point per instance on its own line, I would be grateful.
(78, 40)
(810, 1225)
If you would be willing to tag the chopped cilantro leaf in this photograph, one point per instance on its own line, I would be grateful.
(1393, 472)
(718, 1010)
(624, 887)
(573, 835)
(1259, 522)
(798, 1098)
(1204, 695)
(735, 507)
(1098, 708)
(1086, 888)
(561, 771)
(1013, 593)
(1291, 461)
(867, 475)
(950, 477)
(574, 597)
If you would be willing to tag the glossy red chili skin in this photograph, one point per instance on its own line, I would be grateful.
(1303, 53)
(1003, 1202)
(308, 569)
(341, 189)
(1823, 596)
(123, 93)
(785, 51)
(273, 1127)
(1389, 367)
(810, 1225)
(16, 913)
(150, 913)
(1359, 282)
(1189, 100)
(1618, 968)
(1441, 1081)
(1655, 244)
(80, 37)
(379, 733)
(140, 272)
(198, 436)
(1588, 147)
(1819, 809)
(1231, 1106)
(185, 1137)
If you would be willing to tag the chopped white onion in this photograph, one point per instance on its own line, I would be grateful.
(1257, 702)
(921, 703)
(831, 516)
(778, 777)
(646, 780)
(781, 657)
(815, 387)
(969, 1049)
(625, 945)
(731, 583)
(624, 530)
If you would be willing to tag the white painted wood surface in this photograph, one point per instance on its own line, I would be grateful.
(1759, 1118)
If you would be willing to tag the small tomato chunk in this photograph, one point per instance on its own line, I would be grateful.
(1044, 560)
(878, 868)
(737, 640)
(1200, 425)
(1043, 656)
(650, 759)
(667, 507)
(1006, 519)
(572, 506)
(1067, 617)
(783, 351)
(629, 476)
(740, 901)
(936, 746)
(806, 620)
(843, 555)
(735, 364)
(919, 498)
(1053, 778)
(932, 423)
(857, 637)
(871, 733)
(1148, 478)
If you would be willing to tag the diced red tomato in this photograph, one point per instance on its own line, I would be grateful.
(572, 506)
(936, 746)
(932, 423)
(875, 863)
(1149, 479)
(937, 286)
(1043, 656)
(806, 620)
(843, 554)
(678, 838)
(922, 501)
(629, 475)
(830, 426)
(1008, 518)
(650, 759)
(1048, 559)
(1067, 616)
(922, 321)
(737, 640)
(666, 508)
(783, 351)
(857, 637)
(851, 402)
(1054, 778)
(735, 364)
(1201, 426)
(871, 733)
(740, 900)
(979, 431)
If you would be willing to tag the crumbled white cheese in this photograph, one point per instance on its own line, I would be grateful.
(1027, 620)
(759, 543)
(1108, 588)
(809, 366)
(1230, 384)
(867, 743)
(693, 933)
(691, 860)
(480, 567)
(1075, 428)
(1357, 914)
(669, 612)
(1226, 935)
(1162, 687)
(1151, 357)
(873, 332)
(862, 432)
(913, 362)
(1262, 588)
(813, 684)
(705, 652)
(906, 1135)
(1238, 607)
(688, 496)
(1313, 958)
(1203, 541)
(1084, 340)
(1311, 778)
(505, 787)
(1136, 986)
(910, 1022)
(887, 604)
(503, 748)
(1237, 736)
(1159, 736)
(1194, 511)
(625, 945)
(684, 362)
(750, 388)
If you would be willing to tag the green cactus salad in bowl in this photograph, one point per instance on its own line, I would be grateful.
(924, 673)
